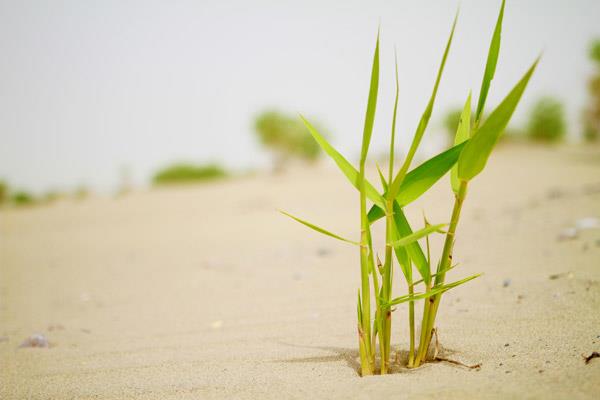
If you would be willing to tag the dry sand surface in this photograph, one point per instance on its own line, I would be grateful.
(207, 292)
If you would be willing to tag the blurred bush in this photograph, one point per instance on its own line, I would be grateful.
(188, 173)
(591, 114)
(3, 192)
(22, 198)
(547, 120)
(286, 137)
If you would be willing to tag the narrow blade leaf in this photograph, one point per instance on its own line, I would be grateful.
(420, 179)
(477, 151)
(382, 179)
(434, 291)
(371, 105)
(319, 229)
(345, 166)
(397, 182)
(413, 237)
(413, 249)
(462, 135)
(402, 256)
(490, 65)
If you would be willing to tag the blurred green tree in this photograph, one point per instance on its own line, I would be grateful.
(3, 192)
(591, 114)
(286, 137)
(188, 173)
(22, 198)
(547, 120)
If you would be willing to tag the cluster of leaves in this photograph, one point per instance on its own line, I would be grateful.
(474, 142)
(286, 137)
(188, 173)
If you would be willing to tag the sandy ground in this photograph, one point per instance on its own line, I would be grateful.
(206, 292)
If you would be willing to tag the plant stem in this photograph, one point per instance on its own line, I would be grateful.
(432, 303)
(411, 324)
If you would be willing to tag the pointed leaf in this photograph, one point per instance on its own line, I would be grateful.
(420, 179)
(462, 135)
(477, 150)
(395, 185)
(434, 291)
(319, 229)
(402, 256)
(347, 168)
(382, 179)
(413, 237)
(371, 105)
(413, 249)
(490, 65)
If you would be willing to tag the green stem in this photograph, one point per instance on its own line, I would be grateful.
(445, 262)
(367, 358)
(424, 322)
(411, 324)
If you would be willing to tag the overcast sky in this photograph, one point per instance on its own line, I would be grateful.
(87, 87)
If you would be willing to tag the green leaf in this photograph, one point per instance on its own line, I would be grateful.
(346, 168)
(413, 249)
(462, 135)
(402, 255)
(490, 65)
(397, 182)
(413, 237)
(477, 151)
(434, 291)
(320, 230)
(420, 179)
(382, 179)
(437, 273)
(371, 105)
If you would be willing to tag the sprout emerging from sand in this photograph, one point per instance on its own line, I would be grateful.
(473, 145)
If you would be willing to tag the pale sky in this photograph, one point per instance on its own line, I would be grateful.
(88, 87)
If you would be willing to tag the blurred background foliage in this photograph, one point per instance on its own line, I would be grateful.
(547, 120)
(188, 173)
(591, 114)
(286, 137)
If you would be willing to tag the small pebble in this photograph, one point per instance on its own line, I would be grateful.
(567, 234)
(323, 252)
(555, 193)
(587, 223)
(506, 282)
(57, 327)
(35, 340)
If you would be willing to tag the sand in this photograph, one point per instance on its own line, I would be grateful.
(207, 292)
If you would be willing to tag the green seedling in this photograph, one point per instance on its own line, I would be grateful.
(466, 159)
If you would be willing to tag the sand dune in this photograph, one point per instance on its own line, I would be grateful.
(207, 292)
